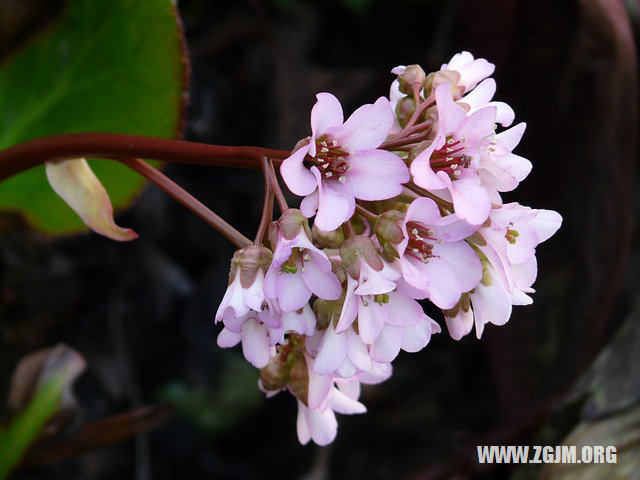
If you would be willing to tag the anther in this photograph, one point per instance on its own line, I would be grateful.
(328, 174)
(451, 141)
(414, 231)
(457, 172)
(342, 179)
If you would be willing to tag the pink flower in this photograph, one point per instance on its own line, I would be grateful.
(471, 70)
(343, 354)
(371, 296)
(258, 334)
(343, 161)
(298, 268)
(246, 281)
(500, 170)
(448, 167)
(434, 258)
(481, 96)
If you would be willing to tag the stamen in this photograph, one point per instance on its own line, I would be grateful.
(342, 179)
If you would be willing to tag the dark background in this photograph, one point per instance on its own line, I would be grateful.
(142, 313)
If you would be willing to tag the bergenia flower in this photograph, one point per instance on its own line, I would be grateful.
(471, 70)
(370, 295)
(298, 268)
(448, 166)
(434, 258)
(340, 162)
(482, 96)
(246, 281)
(259, 332)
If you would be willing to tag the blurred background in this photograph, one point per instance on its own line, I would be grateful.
(141, 314)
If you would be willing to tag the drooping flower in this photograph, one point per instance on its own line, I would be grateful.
(471, 70)
(259, 333)
(448, 166)
(340, 162)
(246, 281)
(298, 268)
(371, 297)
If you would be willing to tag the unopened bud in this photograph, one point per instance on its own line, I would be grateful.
(299, 379)
(404, 110)
(275, 375)
(322, 239)
(444, 76)
(248, 261)
(412, 77)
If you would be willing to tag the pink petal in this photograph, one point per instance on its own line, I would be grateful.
(228, 339)
(78, 186)
(524, 274)
(510, 138)
(491, 303)
(403, 311)
(323, 284)
(423, 210)
(309, 204)
(297, 177)
(326, 113)
(452, 228)
(515, 165)
(351, 388)
(255, 343)
(445, 292)
(461, 324)
(372, 282)
(378, 374)
(319, 385)
(481, 95)
(302, 323)
(346, 369)
(450, 115)
(371, 319)
(478, 126)
(504, 113)
(387, 344)
(366, 128)
(470, 200)
(254, 295)
(292, 291)
(421, 171)
(331, 352)
(322, 426)
(376, 175)
(334, 208)
(350, 307)
(463, 261)
(416, 337)
(232, 304)
(546, 223)
(357, 351)
(304, 435)
(341, 403)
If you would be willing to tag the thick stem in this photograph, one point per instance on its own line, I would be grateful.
(282, 201)
(399, 142)
(425, 193)
(347, 229)
(186, 199)
(23, 156)
(370, 216)
(416, 114)
(267, 203)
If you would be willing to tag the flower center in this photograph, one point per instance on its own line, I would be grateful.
(296, 259)
(419, 246)
(449, 158)
(511, 236)
(330, 159)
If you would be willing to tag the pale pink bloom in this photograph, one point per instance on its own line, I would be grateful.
(318, 423)
(510, 268)
(258, 332)
(372, 299)
(344, 354)
(298, 270)
(482, 96)
(448, 167)
(471, 70)
(434, 258)
(238, 300)
(500, 170)
(393, 338)
(343, 163)
(512, 237)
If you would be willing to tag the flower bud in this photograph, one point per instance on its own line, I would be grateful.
(299, 379)
(389, 233)
(356, 249)
(249, 261)
(412, 77)
(444, 76)
(404, 110)
(322, 239)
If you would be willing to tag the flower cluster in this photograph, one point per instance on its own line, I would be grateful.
(405, 197)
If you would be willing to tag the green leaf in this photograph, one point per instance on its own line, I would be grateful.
(25, 428)
(105, 66)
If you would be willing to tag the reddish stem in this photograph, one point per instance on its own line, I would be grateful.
(267, 204)
(188, 200)
(29, 154)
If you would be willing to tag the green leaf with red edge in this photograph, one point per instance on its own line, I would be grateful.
(104, 66)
